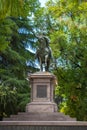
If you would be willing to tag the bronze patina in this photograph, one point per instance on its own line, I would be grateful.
(44, 53)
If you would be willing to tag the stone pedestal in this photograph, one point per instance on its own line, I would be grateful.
(42, 106)
(42, 93)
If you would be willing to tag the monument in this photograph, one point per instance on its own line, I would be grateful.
(42, 83)
(43, 87)
(42, 106)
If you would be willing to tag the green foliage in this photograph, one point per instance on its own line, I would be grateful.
(8, 100)
(11, 8)
(23, 99)
(15, 38)
(16, 9)
(6, 31)
(68, 41)
(13, 69)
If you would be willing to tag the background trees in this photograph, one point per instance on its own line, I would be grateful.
(69, 42)
(9, 8)
(16, 61)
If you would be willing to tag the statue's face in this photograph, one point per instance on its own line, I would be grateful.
(42, 40)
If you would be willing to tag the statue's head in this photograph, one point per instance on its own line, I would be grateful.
(44, 40)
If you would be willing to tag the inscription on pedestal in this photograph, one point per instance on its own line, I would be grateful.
(41, 91)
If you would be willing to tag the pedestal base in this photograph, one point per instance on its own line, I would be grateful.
(41, 107)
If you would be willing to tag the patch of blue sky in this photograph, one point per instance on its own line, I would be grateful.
(34, 63)
(23, 31)
(43, 2)
(32, 50)
(29, 42)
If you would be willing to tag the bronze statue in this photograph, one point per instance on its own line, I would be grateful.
(44, 53)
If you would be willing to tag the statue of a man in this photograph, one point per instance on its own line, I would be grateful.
(44, 53)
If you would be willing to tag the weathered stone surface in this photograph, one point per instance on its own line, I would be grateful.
(46, 123)
(41, 107)
(34, 116)
(42, 90)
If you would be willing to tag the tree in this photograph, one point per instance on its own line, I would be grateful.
(68, 34)
(7, 100)
(11, 8)
(14, 58)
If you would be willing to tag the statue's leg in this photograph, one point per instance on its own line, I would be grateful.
(41, 67)
(46, 57)
(47, 67)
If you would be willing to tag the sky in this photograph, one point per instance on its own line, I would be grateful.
(43, 2)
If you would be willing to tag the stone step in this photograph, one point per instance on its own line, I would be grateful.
(39, 117)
